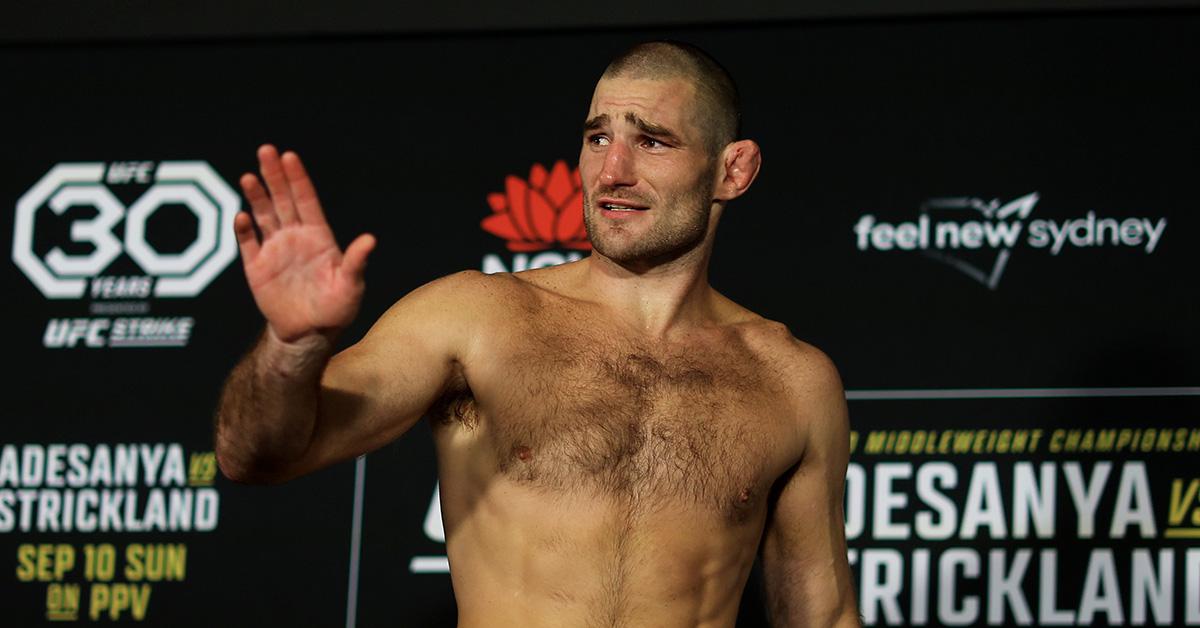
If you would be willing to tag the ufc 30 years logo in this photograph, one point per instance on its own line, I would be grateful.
(62, 263)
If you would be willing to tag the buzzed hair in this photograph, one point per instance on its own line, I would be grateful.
(718, 107)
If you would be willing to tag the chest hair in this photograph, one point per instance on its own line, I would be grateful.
(649, 428)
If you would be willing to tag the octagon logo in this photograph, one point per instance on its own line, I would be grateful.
(119, 234)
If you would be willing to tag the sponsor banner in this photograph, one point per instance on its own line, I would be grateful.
(977, 237)
(1027, 520)
(118, 236)
(100, 528)
(535, 215)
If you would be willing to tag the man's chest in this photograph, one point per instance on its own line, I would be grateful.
(698, 423)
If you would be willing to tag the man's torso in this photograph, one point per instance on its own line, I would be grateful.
(592, 477)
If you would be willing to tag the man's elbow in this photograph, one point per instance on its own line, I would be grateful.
(240, 466)
(849, 619)
(243, 472)
(831, 609)
(234, 467)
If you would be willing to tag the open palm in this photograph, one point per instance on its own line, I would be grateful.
(302, 282)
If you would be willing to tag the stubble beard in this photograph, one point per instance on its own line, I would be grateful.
(680, 230)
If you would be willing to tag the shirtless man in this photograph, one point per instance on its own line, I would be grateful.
(616, 441)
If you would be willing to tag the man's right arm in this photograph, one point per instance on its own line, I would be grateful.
(268, 408)
(289, 407)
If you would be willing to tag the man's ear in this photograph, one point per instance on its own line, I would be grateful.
(739, 166)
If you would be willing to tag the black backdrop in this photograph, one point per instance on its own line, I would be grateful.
(1065, 347)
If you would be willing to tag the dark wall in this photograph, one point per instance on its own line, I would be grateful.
(108, 20)
(985, 220)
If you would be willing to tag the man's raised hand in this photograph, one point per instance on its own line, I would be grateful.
(302, 282)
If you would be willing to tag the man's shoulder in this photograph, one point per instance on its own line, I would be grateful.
(774, 342)
(458, 315)
(467, 290)
(806, 375)
(453, 306)
(810, 388)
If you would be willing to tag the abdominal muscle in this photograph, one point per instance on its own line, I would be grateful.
(522, 557)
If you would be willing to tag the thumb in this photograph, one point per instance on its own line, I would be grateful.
(354, 262)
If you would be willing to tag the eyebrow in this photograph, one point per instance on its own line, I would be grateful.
(645, 126)
(595, 123)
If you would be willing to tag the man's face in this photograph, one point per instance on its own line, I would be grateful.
(647, 172)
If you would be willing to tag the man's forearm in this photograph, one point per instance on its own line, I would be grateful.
(268, 408)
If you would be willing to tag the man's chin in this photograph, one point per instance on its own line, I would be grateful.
(639, 255)
(620, 252)
(617, 253)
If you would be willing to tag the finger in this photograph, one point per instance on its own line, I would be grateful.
(260, 204)
(354, 262)
(247, 241)
(272, 173)
(308, 207)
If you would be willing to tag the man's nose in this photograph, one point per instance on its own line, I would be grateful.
(618, 166)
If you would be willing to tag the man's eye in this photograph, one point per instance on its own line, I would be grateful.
(650, 142)
(597, 140)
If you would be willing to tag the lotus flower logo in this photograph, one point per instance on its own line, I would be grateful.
(537, 214)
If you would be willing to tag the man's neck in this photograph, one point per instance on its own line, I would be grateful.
(658, 299)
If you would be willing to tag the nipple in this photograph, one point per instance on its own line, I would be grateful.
(523, 452)
(744, 496)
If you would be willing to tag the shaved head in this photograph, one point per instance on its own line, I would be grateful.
(717, 110)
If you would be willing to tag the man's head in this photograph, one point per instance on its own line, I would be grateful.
(660, 156)
(715, 107)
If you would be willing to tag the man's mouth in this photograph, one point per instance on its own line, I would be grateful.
(621, 206)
